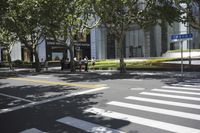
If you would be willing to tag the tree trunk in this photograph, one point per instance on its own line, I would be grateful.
(10, 61)
(164, 37)
(121, 52)
(72, 62)
(37, 61)
(199, 24)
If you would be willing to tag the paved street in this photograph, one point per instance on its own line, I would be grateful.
(100, 102)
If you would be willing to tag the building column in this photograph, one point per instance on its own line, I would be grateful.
(41, 48)
(93, 43)
(16, 52)
(147, 44)
(98, 43)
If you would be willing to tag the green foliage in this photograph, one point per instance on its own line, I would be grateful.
(157, 11)
(117, 15)
(191, 11)
(69, 18)
(18, 62)
(150, 63)
(3, 8)
(26, 20)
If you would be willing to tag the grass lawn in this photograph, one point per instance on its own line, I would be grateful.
(131, 64)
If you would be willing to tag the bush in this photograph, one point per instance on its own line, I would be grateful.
(17, 63)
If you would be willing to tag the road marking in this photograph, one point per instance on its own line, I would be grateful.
(179, 92)
(180, 88)
(22, 99)
(51, 100)
(156, 110)
(186, 105)
(39, 76)
(136, 80)
(143, 121)
(171, 96)
(194, 86)
(87, 126)
(137, 89)
(32, 130)
(57, 83)
(106, 73)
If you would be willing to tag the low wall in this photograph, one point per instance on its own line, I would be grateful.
(178, 54)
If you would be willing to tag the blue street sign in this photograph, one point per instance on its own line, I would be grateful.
(181, 37)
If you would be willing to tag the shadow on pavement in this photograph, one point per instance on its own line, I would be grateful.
(43, 117)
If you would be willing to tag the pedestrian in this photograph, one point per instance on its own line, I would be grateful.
(86, 63)
(46, 65)
(42, 63)
(93, 62)
(62, 63)
(67, 63)
(80, 64)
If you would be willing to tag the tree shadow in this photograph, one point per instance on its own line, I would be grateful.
(183, 82)
(38, 92)
(97, 77)
(44, 116)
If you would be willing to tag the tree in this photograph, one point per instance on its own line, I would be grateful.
(163, 13)
(117, 16)
(3, 8)
(7, 40)
(191, 9)
(23, 17)
(70, 19)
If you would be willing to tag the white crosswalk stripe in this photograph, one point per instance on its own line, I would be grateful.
(143, 121)
(87, 126)
(147, 121)
(32, 130)
(187, 85)
(179, 92)
(181, 88)
(170, 96)
(156, 110)
(179, 104)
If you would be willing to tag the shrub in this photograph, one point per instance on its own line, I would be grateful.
(17, 63)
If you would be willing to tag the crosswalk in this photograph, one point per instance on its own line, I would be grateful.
(87, 126)
(175, 102)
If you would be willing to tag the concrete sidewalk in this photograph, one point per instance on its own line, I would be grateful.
(106, 72)
(7, 69)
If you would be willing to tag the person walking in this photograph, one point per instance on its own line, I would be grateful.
(93, 62)
(80, 64)
(46, 65)
(62, 63)
(42, 64)
(86, 63)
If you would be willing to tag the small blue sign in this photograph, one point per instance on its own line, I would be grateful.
(181, 37)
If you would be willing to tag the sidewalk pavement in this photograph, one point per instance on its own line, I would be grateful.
(7, 69)
(170, 74)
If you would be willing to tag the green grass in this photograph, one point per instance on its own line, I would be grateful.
(150, 63)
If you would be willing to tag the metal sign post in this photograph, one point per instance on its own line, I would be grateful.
(182, 60)
(180, 38)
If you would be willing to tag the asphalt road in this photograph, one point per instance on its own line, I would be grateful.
(100, 102)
